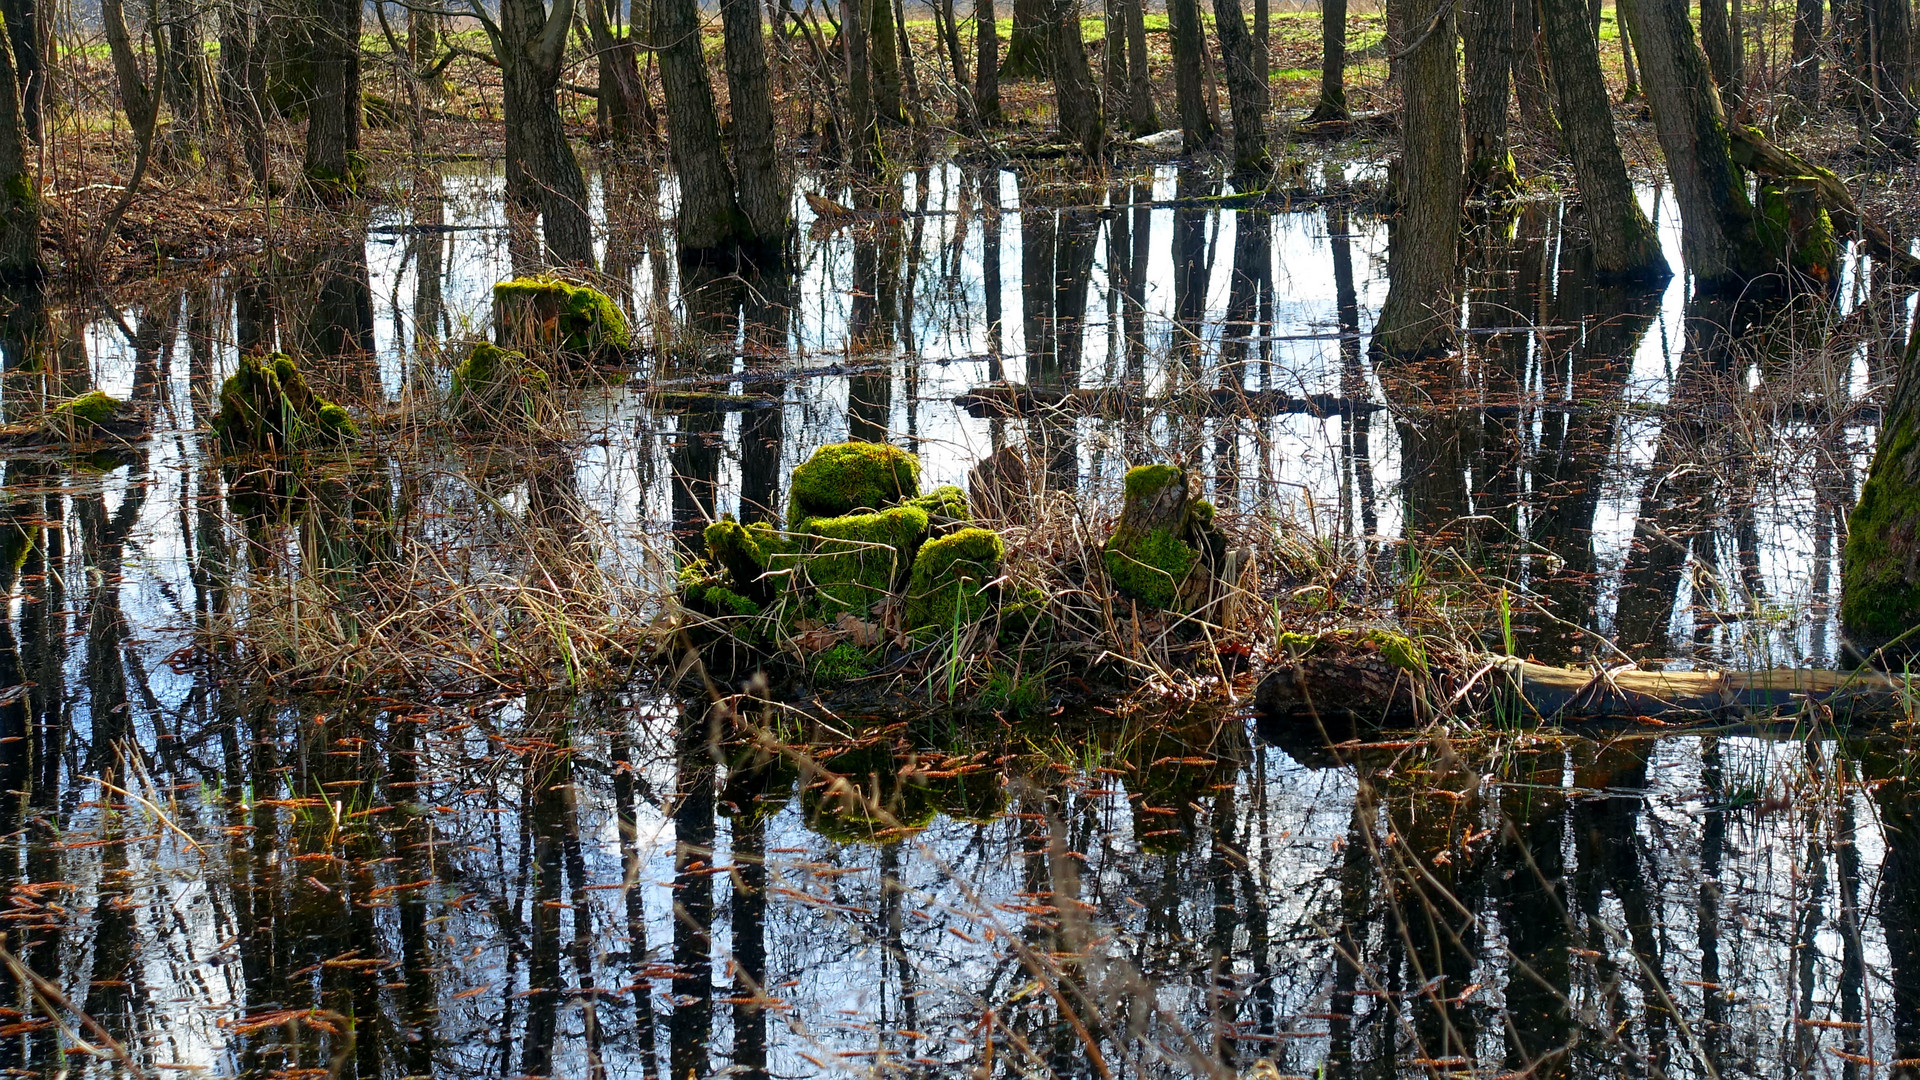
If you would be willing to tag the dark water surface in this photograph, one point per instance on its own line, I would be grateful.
(223, 880)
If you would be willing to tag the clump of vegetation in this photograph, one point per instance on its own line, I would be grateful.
(266, 405)
(953, 582)
(844, 477)
(546, 314)
(853, 562)
(1163, 551)
(494, 387)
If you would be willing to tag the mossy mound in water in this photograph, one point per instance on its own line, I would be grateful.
(953, 582)
(91, 408)
(1796, 227)
(1165, 547)
(546, 314)
(266, 405)
(494, 387)
(946, 508)
(844, 477)
(853, 562)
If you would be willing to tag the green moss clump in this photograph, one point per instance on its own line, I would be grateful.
(266, 405)
(93, 407)
(1014, 696)
(946, 506)
(1024, 619)
(844, 477)
(1296, 644)
(577, 321)
(1797, 229)
(1147, 481)
(844, 662)
(1151, 568)
(1880, 590)
(950, 581)
(854, 561)
(1399, 650)
(492, 385)
(745, 552)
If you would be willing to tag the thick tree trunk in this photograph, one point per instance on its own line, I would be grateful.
(1530, 73)
(621, 88)
(986, 64)
(1625, 245)
(1716, 216)
(1809, 25)
(1891, 32)
(531, 41)
(24, 32)
(1189, 74)
(333, 165)
(180, 81)
(709, 218)
(1333, 63)
(1720, 41)
(763, 193)
(1143, 117)
(19, 192)
(883, 59)
(865, 149)
(242, 83)
(1027, 47)
(1486, 37)
(1077, 98)
(1422, 252)
(1246, 90)
(1880, 576)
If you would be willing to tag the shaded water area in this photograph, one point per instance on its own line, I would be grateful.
(484, 882)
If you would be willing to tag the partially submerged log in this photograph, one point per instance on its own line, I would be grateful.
(1345, 680)
(87, 421)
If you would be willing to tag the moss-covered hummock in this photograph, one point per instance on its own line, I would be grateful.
(1165, 546)
(952, 581)
(93, 407)
(844, 477)
(546, 314)
(1797, 228)
(855, 561)
(745, 552)
(266, 405)
(946, 508)
(494, 386)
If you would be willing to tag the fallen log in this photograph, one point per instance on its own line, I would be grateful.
(1350, 680)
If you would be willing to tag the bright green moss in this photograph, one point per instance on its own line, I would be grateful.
(950, 580)
(842, 663)
(745, 552)
(492, 385)
(1014, 696)
(1880, 590)
(854, 561)
(943, 504)
(577, 321)
(1147, 481)
(1296, 644)
(1399, 650)
(729, 602)
(92, 407)
(266, 405)
(844, 477)
(1151, 567)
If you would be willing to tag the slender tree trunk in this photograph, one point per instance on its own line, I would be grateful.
(909, 69)
(1486, 36)
(986, 66)
(424, 31)
(333, 165)
(1077, 98)
(1530, 73)
(181, 83)
(1809, 26)
(1891, 32)
(865, 147)
(764, 197)
(242, 84)
(957, 60)
(19, 191)
(1625, 245)
(1422, 253)
(709, 218)
(620, 87)
(24, 32)
(1629, 69)
(1717, 41)
(530, 46)
(883, 58)
(1333, 63)
(1027, 47)
(1189, 74)
(1143, 117)
(1113, 62)
(1716, 216)
(1246, 90)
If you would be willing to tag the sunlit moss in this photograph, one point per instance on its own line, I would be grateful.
(950, 582)
(577, 321)
(844, 477)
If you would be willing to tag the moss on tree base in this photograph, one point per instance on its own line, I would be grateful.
(266, 405)
(547, 315)
(1163, 552)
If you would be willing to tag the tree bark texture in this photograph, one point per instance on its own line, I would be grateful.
(1189, 74)
(621, 87)
(1486, 37)
(1716, 216)
(1530, 73)
(1333, 63)
(1890, 30)
(1247, 92)
(1027, 46)
(1809, 25)
(1113, 61)
(957, 60)
(1143, 117)
(883, 58)
(709, 217)
(1625, 245)
(1720, 40)
(243, 83)
(1417, 317)
(1077, 98)
(865, 148)
(1880, 575)
(25, 32)
(530, 46)
(333, 165)
(19, 192)
(180, 80)
(986, 64)
(763, 193)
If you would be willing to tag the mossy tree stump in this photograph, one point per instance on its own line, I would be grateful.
(495, 387)
(266, 405)
(545, 315)
(1880, 579)
(1165, 550)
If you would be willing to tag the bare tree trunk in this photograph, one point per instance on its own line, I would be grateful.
(865, 150)
(1716, 216)
(709, 218)
(1486, 36)
(1625, 245)
(25, 31)
(529, 44)
(1113, 61)
(1718, 39)
(1078, 100)
(621, 90)
(1530, 74)
(763, 193)
(883, 57)
(1629, 69)
(1422, 253)
(181, 83)
(333, 165)
(909, 70)
(1027, 46)
(1333, 63)
(1891, 32)
(986, 69)
(1143, 117)
(957, 60)
(1189, 75)
(1809, 25)
(242, 83)
(19, 191)
(1880, 575)
(1246, 90)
